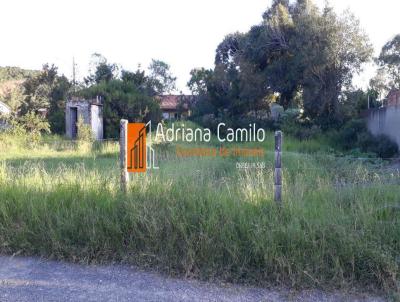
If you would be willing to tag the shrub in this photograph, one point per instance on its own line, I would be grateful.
(84, 131)
(85, 135)
(385, 147)
(293, 124)
(348, 135)
(355, 135)
(25, 131)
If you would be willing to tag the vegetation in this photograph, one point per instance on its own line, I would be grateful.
(355, 134)
(304, 59)
(15, 73)
(46, 92)
(124, 93)
(388, 74)
(25, 130)
(202, 216)
(11, 88)
(132, 95)
(338, 226)
(299, 56)
(122, 99)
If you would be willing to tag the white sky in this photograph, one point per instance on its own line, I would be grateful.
(184, 33)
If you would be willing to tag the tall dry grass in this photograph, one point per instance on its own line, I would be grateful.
(339, 224)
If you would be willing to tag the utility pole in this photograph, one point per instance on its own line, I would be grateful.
(73, 74)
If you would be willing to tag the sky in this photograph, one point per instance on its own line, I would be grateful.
(183, 33)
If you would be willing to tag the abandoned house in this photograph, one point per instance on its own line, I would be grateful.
(175, 106)
(91, 112)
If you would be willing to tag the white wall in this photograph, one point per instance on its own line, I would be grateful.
(385, 121)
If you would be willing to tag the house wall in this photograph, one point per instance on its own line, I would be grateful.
(386, 121)
(165, 115)
(173, 114)
(169, 114)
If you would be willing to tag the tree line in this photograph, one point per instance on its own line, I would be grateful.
(42, 96)
(299, 57)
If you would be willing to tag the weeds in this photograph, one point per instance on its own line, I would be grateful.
(201, 217)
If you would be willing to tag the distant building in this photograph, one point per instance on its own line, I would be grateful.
(175, 106)
(393, 98)
(4, 111)
(91, 111)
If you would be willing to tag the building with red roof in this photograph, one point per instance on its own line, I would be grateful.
(174, 106)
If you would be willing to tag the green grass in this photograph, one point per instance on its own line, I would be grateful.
(339, 224)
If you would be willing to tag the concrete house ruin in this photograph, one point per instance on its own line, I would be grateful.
(91, 112)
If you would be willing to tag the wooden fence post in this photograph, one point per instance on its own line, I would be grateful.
(123, 129)
(278, 168)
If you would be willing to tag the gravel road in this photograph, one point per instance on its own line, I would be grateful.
(33, 279)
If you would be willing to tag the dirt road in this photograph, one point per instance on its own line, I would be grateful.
(32, 279)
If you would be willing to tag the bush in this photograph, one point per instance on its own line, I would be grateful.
(84, 131)
(385, 147)
(207, 220)
(85, 135)
(293, 124)
(26, 129)
(123, 100)
(348, 135)
(355, 135)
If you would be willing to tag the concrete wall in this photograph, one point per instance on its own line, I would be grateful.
(386, 121)
(97, 121)
(91, 113)
(83, 109)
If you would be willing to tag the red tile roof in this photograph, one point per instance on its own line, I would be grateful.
(171, 101)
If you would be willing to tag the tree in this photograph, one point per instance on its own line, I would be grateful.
(13, 96)
(56, 113)
(296, 50)
(355, 101)
(101, 70)
(332, 49)
(123, 99)
(47, 90)
(388, 74)
(11, 86)
(381, 82)
(199, 79)
(161, 77)
(37, 89)
(140, 80)
(130, 95)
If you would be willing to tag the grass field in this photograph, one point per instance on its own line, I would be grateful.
(202, 217)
